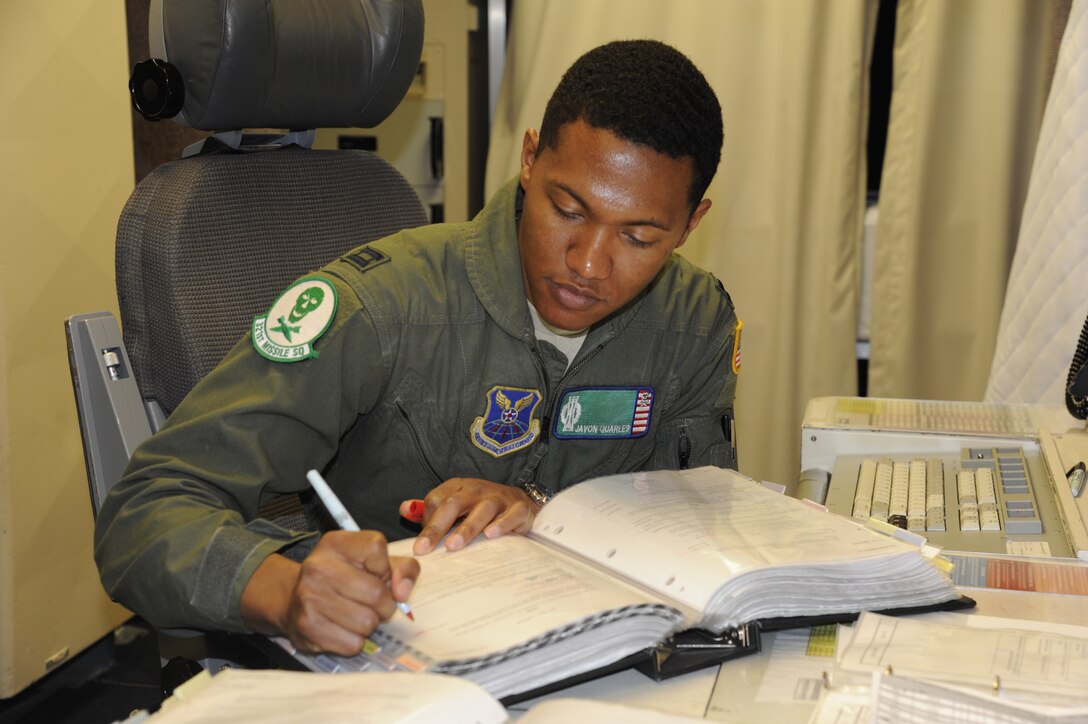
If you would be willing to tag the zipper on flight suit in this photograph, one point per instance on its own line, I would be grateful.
(418, 444)
(551, 399)
(683, 449)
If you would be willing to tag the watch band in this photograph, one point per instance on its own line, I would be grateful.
(537, 494)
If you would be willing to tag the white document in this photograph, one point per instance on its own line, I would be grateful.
(513, 615)
(515, 590)
(903, 700)
(587, 711)
(1012, 658)
(274, 696)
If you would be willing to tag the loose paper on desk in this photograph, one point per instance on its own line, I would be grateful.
(903, 700)
(1047, 664)
(587, 711)
(287, 697)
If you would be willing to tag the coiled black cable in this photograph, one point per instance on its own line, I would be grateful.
(1076, 386)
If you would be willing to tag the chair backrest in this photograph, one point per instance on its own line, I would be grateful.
(205, 243)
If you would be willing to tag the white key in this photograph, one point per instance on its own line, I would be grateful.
(882, 489)
(968, 500)
(935, 496)
(969, 518)
(988, 519)
(984, 486)
(863, 496)
(965, 488)
(897, 500)
(916, 496)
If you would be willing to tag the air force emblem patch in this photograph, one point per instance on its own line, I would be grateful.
(508, 423)
(295, 321)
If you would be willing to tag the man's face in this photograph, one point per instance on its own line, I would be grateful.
(600, 219)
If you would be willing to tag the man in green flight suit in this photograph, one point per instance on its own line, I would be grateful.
(480, 366)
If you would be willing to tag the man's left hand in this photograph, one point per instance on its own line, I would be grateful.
(492, 508)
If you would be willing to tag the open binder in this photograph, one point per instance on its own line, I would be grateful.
(619, 570)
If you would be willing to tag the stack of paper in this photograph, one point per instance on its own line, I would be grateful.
(956, 668)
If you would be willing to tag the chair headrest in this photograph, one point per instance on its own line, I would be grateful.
(295, 64)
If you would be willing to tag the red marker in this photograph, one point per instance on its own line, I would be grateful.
(415, 511)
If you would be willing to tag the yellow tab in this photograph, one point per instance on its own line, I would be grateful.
(734, 362)
(370, 647)
(943, 564)
(821, 640)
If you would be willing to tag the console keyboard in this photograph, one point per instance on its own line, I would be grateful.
(987, 489)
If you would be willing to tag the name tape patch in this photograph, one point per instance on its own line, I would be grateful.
(295, 320)
(604, 412)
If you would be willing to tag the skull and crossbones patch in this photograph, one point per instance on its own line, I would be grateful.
(295, 321)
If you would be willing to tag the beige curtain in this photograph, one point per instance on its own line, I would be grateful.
(785, 228)
(1045, 303)
(970, 82)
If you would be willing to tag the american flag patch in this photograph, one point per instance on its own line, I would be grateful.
(644, 400)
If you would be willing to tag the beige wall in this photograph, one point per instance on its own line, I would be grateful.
(403, 136)
(67, 170)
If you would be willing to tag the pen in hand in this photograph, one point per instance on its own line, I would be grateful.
(343, 518)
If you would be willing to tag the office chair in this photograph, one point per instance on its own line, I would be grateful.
(207, 242)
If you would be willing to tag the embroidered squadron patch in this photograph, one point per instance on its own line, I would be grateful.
(604, 412)
(295, 320)
(735, 359)
(508, 423)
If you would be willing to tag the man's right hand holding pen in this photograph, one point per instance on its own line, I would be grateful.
(332, 600)
(340, 593)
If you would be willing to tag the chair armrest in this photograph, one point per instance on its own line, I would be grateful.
(112, 417)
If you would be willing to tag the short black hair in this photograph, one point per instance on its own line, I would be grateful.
(646, 92)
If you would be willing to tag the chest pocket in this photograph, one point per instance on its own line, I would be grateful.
(413, 415)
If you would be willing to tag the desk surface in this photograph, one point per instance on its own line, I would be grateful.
(782, 683)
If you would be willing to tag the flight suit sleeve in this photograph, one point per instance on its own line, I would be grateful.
(699, 429)
(177, 538)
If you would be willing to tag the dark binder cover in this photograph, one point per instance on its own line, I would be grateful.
(696, 649)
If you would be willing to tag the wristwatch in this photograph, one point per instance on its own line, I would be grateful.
(537, 494)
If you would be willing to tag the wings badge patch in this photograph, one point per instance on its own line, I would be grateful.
(508, 423)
